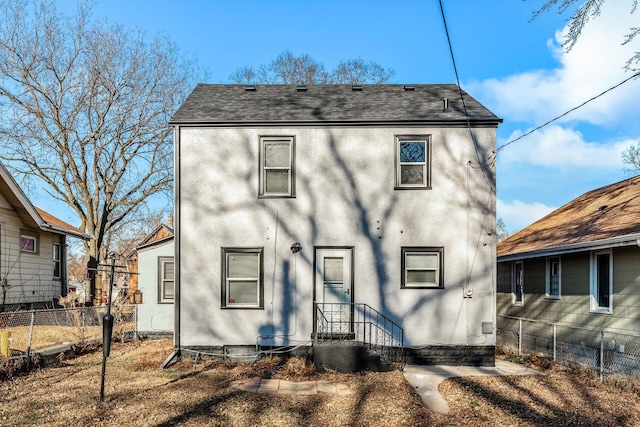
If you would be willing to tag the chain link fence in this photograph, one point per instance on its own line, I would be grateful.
(28, 332)
(610, 353)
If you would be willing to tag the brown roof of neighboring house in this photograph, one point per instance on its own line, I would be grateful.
(52, 220)
(604, 213)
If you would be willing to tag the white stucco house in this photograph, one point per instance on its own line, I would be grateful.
(156, 283)
(33, 250)
(336, 212)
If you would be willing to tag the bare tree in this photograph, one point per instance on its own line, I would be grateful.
(287, 68)
(355, 71)
(501, 230)
(588, 10)
(84, 109)
(631, 159)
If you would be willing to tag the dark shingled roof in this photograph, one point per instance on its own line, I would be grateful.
(327, 104)
(604, 213)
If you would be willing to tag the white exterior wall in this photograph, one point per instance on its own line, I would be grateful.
(29, 276)
(153, 317)
(345, 196)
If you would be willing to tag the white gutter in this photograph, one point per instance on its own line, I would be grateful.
(613, 242)
(63, 230)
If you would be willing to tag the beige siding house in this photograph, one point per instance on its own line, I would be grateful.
(33, 250)
(579, 265)
(309, 213)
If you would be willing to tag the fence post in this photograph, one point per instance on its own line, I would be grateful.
(33, 315)
(601, 356)
(554, 342)
(520, 336)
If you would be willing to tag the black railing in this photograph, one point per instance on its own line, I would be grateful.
(356, 322)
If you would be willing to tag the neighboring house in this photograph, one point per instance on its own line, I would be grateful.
(579, 265)
(156, 282)
(33, 250)
(300, 209)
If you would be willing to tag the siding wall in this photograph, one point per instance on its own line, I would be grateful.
(574, 305)
(29, 276)
(344, 197)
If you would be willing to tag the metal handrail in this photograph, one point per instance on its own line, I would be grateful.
(363, 324)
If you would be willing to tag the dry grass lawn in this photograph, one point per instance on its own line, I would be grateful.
(138, 393)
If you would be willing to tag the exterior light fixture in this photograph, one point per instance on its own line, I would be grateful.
(296, 247)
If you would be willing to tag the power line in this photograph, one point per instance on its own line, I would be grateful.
(566, 112)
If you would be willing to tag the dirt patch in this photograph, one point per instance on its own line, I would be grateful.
(139, 393)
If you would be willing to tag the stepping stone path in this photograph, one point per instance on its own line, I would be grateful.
(274, 386)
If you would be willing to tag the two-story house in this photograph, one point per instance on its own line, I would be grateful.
(333, 211)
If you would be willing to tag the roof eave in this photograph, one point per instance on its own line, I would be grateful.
(594, 245)
(488, 122)
(61, 230)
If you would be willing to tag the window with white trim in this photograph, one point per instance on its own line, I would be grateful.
(422, 267)
(553, 277)
(277, 154)
(602, 281)
(57, 261)
(166, 279)
(517, 283)
(29, 242)
(413, 161)
(242, 278)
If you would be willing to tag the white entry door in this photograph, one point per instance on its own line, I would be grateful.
(334, 290)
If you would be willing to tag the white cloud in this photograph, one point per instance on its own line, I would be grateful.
(593, 65)
(517, 215)
(563, 148)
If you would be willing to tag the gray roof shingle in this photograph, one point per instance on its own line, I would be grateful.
(329, 104)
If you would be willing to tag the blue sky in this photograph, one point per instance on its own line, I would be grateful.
(515, 67)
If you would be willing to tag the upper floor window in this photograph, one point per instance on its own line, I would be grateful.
(413, 161)
(166, 280)
(29, 242)
(422, 267)
(57, 261)
(277, 169)
(553, 277)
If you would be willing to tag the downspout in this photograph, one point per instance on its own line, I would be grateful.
(176, 249)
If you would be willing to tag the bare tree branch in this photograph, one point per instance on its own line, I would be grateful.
(84, 109)
(287, 68)
(587, 11)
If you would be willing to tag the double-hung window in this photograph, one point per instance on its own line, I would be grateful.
(166, 279)
(57, 261)
(553, 277)
(422, 267)
(601, 281)
(242, 278)
(413, 161)
(277, 155)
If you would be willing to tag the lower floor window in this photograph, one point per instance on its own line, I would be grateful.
(242, 282)
(422, 267)
(601, 280)
(166, 276)
(57, 261)
(517, 283)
